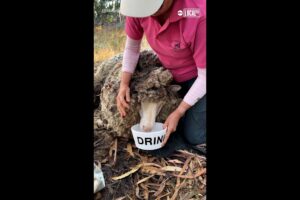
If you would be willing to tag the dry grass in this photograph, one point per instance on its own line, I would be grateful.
(132, 174)
(109, 41)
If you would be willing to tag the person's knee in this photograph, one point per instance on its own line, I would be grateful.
(195, 128)
(195, 123)
(195, 136)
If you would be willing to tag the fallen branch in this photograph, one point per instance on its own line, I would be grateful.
(127, 173)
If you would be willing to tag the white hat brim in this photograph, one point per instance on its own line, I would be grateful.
(140, 8)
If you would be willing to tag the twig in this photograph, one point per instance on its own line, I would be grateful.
(161, 188)
(144, 179)
(115, 153)
(191, 154)
(158, 198)
(178, 186)
(129, 150)
(199, 173)
(128, 173)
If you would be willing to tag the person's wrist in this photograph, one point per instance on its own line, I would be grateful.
(180, 111)
(124, 85)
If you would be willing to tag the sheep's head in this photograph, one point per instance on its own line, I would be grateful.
(153, 93)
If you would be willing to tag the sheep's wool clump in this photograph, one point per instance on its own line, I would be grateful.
(150, 82)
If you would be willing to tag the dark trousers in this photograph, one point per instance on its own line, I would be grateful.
(192, 126)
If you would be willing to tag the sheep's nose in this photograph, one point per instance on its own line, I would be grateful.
(146, 128)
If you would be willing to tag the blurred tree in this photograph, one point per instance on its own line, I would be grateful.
(107, 12)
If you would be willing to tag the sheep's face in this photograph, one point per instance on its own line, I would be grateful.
(148, 112)
(150, 107)
(153, 91)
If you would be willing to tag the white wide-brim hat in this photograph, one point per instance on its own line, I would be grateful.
(140, 8)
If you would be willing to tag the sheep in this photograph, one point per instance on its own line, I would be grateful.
(153, 97)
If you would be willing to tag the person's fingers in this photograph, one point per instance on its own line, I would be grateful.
(170, 129)
(166, 124)
(128, 95)
(120, 108)
(166, 138)
(118, 105)
(123, 102)
(120, 112)
(123, 111)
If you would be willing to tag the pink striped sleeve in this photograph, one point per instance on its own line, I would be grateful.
(198, 89)
(131, 55)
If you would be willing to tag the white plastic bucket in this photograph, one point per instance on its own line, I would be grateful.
(148, 140)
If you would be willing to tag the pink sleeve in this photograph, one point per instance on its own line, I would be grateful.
(199, 45)
(133, 28)
(198, 89)
(131, 55)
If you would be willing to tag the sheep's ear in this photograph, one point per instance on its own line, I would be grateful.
(174, 88)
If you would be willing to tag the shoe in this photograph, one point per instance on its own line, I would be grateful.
(200, 149)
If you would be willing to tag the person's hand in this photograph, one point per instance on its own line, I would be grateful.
(171, 124)
(123, 99)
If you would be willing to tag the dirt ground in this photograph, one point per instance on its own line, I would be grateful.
(181, 176)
